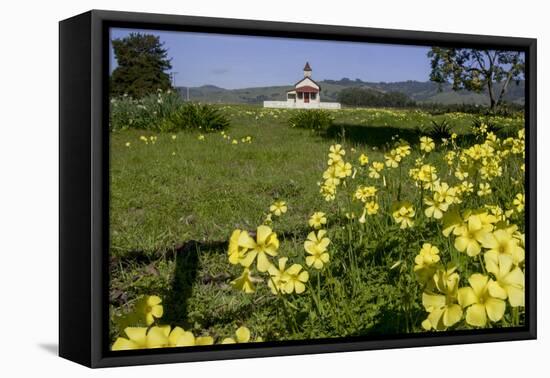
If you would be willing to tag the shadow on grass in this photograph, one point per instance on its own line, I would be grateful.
(374, 136)
(185, 276)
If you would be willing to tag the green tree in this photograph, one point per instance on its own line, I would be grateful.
(142, 62)
(477, 70)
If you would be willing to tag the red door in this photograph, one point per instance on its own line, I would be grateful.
(306, 97)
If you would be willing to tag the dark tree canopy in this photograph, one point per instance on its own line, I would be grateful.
(142, 62)
(477, 70)
(366, 97)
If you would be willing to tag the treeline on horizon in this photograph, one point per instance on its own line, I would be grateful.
(362, 97)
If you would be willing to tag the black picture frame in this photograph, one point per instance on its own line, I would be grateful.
(84, 185)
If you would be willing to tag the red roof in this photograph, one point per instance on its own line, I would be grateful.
(307, 88)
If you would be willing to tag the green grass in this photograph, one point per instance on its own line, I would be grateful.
(175, 202)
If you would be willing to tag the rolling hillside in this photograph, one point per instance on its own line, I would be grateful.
(424, 92)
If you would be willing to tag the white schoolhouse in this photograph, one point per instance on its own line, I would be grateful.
(306, 94)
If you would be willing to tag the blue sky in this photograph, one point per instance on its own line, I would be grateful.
(243, 61)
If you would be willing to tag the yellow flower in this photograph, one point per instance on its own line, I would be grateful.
(200, 137)
(234, 252)
(278, 277)
(484, 189)
(375, 169)
(127, 144)
(392, 159)
(363, 159)
(363, 193)
(519, 202)
(143, 338)
(342, 169)
(242, 335)
(427, 174)
(372, 208)
(278, 208)
(179, 337)
(317, 220)
(427, 144)
(234, 141)
(295, 279)
(331, 176)
(428, 255)
(244, 282)
(426, 262)
(509, 278)
(482, 300)
(266, 243)
(144, 139)
(471, 234)
(316, 245)
(403, 214)
(174, 137)
(153, 309)
(435, 208)
(502, 242)
(336, 154)
(442, 302)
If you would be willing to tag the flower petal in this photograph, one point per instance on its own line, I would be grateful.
(495, 308)
(262, 233)
(452, 315)
(476, 316)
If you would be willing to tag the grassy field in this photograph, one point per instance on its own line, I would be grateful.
(176, 198)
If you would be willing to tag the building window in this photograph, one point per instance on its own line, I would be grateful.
(313, 95)
(299, 95)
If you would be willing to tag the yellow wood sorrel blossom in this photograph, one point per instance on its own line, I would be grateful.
(142, 338)
(363, 193)
(331, 177)
(234, 252)
(244, 282)
(484, 189)
(441, 302)
(316, 245)
(277, 277)
(470, 235)
(403, 214)
(342, 169)
(426, 262)
(427, 175)
(336, 154)
(509, 278)
(317, 220)
(296, 277)
(427, 144)
(372, 208)
(375, 169)
(502, 242)
(266, 243)
(278, 208)
(363, 159)
(519, 202)
(179, 338)
(242, 335)
(392, 159)
(483, 299)
(153, 309)
(443, 197)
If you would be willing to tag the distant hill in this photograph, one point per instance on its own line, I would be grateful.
(422, 92)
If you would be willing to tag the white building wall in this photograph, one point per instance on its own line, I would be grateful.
(302, 105)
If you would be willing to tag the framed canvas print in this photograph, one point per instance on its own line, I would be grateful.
(234, 188)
